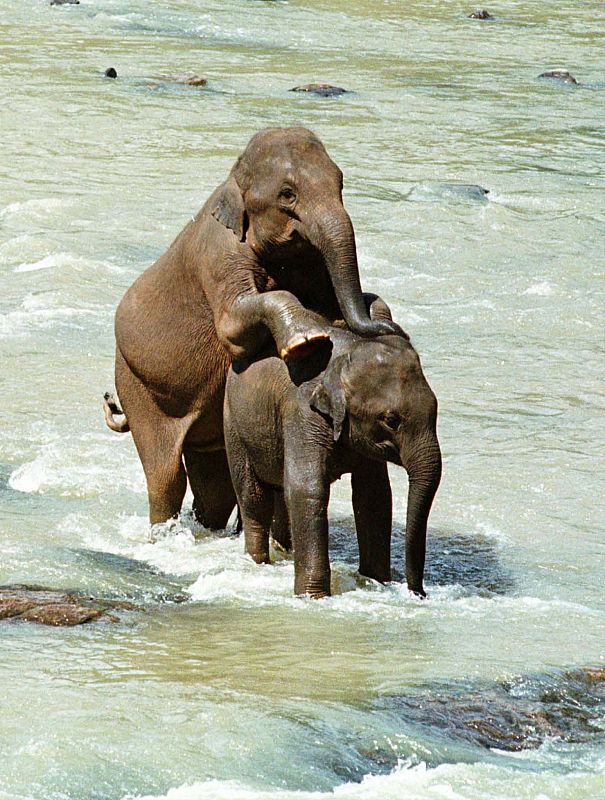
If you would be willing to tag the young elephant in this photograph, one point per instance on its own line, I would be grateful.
(371, 404)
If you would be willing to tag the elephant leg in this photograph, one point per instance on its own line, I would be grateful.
(210, 481)
(372, 506)
(307, 494)
(254, 498)
(296, 332)
(280, 527)
(159, 443)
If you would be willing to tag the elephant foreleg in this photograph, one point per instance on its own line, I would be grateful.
(254, 498)
(243, 327)
(307, 494)
(372, 506)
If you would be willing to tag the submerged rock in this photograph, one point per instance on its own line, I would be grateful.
(322, 89)
(185, 79)
(431, 192)
(480, 13)
(559, 75)
(512, 716)
(54, 607)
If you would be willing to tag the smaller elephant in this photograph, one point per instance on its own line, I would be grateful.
(288, 438)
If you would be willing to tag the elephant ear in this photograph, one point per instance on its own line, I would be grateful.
(328, 397)
(230, 210)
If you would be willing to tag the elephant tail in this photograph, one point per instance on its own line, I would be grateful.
(110, 407)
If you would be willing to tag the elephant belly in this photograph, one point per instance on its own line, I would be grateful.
(206, 433)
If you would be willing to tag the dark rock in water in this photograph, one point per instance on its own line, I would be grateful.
(322, 89)
(480, 13)
(512, 716)
(432, 192)
(471, 560)
(65, 2)
(110, 72)
(559, 75)
(54, 607)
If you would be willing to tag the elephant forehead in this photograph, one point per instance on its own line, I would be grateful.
(272, 138)
(375, 379)
(278, 152)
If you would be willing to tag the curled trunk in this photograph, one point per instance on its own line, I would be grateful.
(334, 237)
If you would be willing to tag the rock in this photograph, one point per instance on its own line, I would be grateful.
(322, 89)
(592, 675)
(513, 716)
(110, 72)
(462, 192)
(480, 13)
(65, 2)
(186, 79)
(559, 75)
(54, 607)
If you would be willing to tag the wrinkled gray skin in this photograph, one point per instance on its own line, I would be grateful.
(286, 443)
(271, 242)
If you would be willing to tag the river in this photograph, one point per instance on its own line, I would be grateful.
(222, 686)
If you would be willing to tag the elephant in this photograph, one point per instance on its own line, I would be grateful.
(290, 436)
(271, 243)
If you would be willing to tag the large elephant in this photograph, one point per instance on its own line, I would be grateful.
(273, 240)
(287, 441)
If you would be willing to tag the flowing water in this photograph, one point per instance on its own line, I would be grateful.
(221, 684)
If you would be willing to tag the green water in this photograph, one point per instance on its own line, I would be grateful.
(243, 691)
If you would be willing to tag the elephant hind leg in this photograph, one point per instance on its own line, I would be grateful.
(159, 442)
(210, 481)
(280, 526)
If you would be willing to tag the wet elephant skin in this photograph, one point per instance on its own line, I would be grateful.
(271, 241)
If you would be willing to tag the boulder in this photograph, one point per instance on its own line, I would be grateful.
(321, 89)
(438, 191)
(55, 607)
(185, 79)
(559, 75)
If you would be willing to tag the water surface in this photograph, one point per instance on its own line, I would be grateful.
(224, 685)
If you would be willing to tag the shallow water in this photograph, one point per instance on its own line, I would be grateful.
(223, 686)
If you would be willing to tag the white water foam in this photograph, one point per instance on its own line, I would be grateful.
(64, 260)
(227, 575)
(35, 208)
(40, 311)
(541, 289)
(77, 467)
(445, 782)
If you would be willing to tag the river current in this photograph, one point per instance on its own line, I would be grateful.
(221, 685)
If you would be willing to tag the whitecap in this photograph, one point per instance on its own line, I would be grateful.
(406, 782)
(35, 207)
(78, 467)
(43, 310)
(542, 289)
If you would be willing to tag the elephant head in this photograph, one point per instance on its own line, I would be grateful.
(284, 199)
(379, 402)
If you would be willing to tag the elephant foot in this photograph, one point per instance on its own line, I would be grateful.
(303, 345)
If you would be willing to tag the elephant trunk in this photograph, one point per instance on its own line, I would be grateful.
(334, 237)
(424, 476)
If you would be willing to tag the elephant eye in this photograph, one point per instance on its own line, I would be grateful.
(391, 420)
(288, 194)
